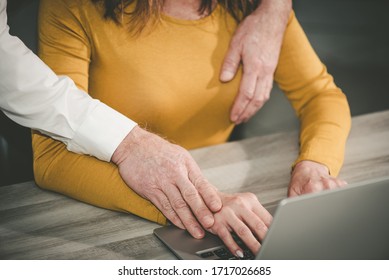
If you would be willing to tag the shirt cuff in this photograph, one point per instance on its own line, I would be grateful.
(101, 133)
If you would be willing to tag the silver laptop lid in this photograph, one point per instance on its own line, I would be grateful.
(346, 223)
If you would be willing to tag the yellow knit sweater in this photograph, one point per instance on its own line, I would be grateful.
(167, 79)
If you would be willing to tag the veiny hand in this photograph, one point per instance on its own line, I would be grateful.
(309, 177)
(167, 175)
(246, 217)
(257, 43)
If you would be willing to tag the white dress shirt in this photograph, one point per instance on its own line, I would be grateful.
(33, 96)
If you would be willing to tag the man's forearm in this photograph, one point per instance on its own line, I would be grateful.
(33, 96)
(281, 7)
(277, 12)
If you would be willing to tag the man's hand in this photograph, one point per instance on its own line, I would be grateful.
(256, 43)
(246, 217)
(309, 177)
(167, 175)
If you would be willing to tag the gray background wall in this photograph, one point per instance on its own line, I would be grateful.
(350, 36)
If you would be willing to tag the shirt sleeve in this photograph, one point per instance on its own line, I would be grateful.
(33, 96)
(320, 105)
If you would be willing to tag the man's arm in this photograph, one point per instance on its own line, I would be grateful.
(33, 96)
(256, 44)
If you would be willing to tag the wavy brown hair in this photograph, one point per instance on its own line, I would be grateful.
(150, 10)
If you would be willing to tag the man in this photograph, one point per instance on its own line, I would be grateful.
(33, 96)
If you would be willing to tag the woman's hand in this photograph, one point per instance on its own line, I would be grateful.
(309, 177)
(246, 217)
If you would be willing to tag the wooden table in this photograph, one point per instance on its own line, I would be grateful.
(38, 224)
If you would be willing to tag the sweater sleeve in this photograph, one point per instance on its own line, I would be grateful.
(64, 46)
(320, 105)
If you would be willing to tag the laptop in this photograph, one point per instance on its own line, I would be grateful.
(346, 223)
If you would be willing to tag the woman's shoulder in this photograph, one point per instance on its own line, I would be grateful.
(73, 12)
(73, 6)
(69, 3)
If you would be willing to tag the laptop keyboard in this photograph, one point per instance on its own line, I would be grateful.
(222, 253)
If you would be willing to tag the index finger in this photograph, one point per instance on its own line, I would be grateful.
(206, 190)
(231, 63)
(195, 202)
(179, 203)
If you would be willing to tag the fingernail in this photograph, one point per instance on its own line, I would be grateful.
(226, 76)
(198, 232)
(235, 119)
(239, 253)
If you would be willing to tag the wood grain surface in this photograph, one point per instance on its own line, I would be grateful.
(38, 224)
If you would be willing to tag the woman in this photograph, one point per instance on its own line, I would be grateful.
(159, 66)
